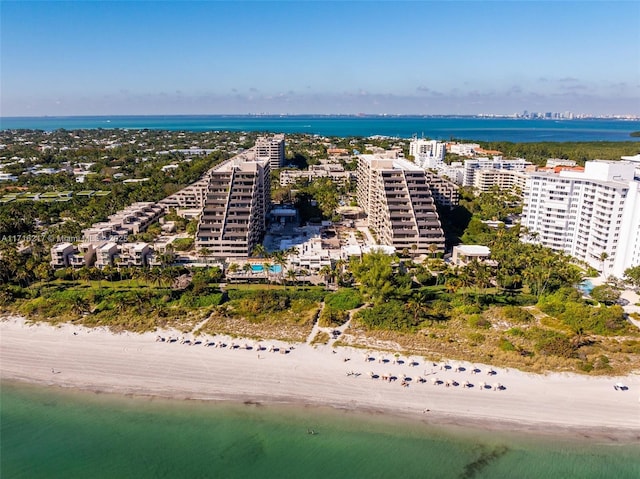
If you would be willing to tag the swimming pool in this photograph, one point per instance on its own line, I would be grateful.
(258, 268)
(586, 286)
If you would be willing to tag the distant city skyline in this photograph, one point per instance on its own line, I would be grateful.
(319, 57)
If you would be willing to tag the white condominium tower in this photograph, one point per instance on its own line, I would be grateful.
(395, 195)
(427, 153)
(592, 215)
(237, 199)
(271, 148)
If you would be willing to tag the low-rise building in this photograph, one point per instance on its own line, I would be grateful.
(485, 180)
(105, 254)
(475, 165)
(134, 254)
(334, 171)
(60, 254)
(465, 253)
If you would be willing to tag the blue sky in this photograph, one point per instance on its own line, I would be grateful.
(416, 57)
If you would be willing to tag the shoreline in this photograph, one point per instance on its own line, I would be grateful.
(136, 365)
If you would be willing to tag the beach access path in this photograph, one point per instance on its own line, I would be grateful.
(140, 364)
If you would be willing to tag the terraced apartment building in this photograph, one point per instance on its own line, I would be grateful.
(235, 209)
(396, 196)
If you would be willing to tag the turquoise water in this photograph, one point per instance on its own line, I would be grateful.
(258, 268)
(443, 128)
(50, 433)
(586, 286)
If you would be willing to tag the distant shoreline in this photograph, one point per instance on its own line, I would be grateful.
(559, 405)
(440, 127)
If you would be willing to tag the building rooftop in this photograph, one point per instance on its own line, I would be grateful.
(474, 249)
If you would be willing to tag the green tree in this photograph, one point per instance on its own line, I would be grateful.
(605, 294)
(632, 276)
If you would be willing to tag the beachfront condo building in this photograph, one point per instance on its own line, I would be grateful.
(271, 148)
(592, 215)
(235, 209)
(395, 195)
(473, 166)
(485, 180)
(427, 153)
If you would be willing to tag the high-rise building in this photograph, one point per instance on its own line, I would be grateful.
(396, 197)
(234, 216)
(272, 149)
(592, 215)
(427, 153)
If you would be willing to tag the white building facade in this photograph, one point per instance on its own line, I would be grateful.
(592, 215)
(427, 153)
(271, 148)
(471, 167)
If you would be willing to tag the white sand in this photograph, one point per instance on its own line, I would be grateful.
(95, 359)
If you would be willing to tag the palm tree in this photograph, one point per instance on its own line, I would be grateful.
(168, 275)
(233, 268)
(205, 253)
(479, 275)
(267, 267)
(144, 274)
(167, 258)
(156, 276)
(280, 258)
(292, 276)
(84, 274)
(79, 305)
(259, 251)
(246, 268)
(326, 272)
(603, 257)
(417, 307)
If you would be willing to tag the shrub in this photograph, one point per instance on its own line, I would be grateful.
(390, 315)
(517, 314)
(605, 294)
(183, 244)
(506, 345)
(515, 332)
(476, 338)
(344, 300)
(331, 317)
(558, 345)
(478, 321)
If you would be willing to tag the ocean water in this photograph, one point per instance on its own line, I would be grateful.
(441, 128)
(52, 433)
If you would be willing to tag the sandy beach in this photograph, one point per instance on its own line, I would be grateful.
(139, 364)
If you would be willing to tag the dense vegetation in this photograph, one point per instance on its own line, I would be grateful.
(522, 309)
(538, 153)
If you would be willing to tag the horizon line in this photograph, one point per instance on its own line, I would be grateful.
(577, 116)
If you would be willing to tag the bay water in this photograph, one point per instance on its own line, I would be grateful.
(441, 128)
(55, 433)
